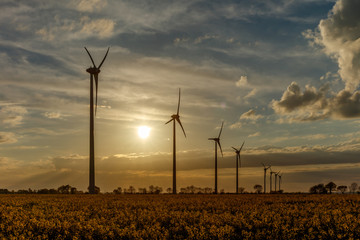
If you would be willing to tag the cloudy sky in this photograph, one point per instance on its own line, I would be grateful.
(283, 75)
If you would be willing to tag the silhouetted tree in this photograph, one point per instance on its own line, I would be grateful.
(43, 191)
(342, 189)
(73, 190)
(169, 190)
(23, 191)
(64, 189)
(241, 190)
(191, 189)
(353, 187)
(151, 189)
(320, 189)
(158, 190)
(330, 186)
(131, 190)
(4, 191)
(182, 190)
(118, 190)
(208, 190)
(142, 190)
(258, 188)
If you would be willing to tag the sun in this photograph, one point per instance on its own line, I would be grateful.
(144, 132)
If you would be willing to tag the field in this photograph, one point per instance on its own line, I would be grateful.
(180, 217)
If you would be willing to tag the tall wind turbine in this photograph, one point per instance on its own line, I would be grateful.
(265, 169)
(94, 74)
(271, 173)
(217, 142)
(174, 118)
(238, 162)
(276, 175)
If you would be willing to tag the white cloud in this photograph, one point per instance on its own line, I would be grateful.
(339, 35)
(205, 37)
(255, 134)
(89, 5)
(101, 28)
(52, 115)
(250, 115)
(242, 82)
(7, 138)
(12, 114)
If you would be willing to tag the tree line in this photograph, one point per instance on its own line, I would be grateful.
(332, 187)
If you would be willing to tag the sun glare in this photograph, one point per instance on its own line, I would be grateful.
(143, 131)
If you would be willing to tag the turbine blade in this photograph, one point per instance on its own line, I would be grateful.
(178, 120)
(234, 149)
(178, 108)
(211, 138)
(218, 142)
(90, 57)
(221, 129)
(242, 146)
(104, 58)
(263, 165)
(169, 121)
(96, 91)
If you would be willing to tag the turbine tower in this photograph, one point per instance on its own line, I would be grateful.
(217, 142)
(276, 175)
(271, 173)
(174, 118)
(265, 169)
(94, 74)
(238, 162)
(280, 175)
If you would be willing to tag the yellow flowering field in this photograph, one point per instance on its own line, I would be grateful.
(108, 216)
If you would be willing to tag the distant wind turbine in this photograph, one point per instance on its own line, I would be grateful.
(217, 142)
(174, 118)
(276, 175)
(271, 173)
(94, 74)
(238, 162)
(265, 169)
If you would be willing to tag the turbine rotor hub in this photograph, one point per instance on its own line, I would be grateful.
(93, 70)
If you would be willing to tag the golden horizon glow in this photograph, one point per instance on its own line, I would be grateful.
(144, 132)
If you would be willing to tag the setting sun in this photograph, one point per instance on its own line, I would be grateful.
(143, 131)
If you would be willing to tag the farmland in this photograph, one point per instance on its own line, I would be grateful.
(127, 216)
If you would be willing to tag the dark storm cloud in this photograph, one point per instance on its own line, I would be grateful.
(312, 104)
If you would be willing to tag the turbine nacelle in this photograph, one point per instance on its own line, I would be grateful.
(217, 140)
(177, 116)
(93, 70)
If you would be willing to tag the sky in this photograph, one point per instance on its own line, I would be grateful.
(283, 76)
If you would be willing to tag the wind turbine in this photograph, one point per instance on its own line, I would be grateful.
(94, 74)
(238, 162)
(271, 173)
(217, 142)
(276, 175)
(265, 169)
(174, 118)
